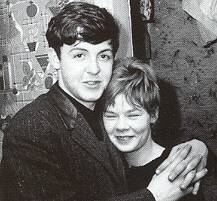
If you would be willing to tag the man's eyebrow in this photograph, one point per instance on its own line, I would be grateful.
(83, 49)
(77, 48)
(108, 49)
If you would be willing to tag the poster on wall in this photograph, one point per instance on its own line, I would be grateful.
(25, 72)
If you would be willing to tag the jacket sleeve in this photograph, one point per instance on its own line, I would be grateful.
(141, 195)
(31, 163)
(212, 155)
(210, 141)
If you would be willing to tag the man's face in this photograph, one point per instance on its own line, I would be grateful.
(128, 128)
(85, 70)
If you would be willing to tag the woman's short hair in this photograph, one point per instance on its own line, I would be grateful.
(84, 22)
(137, 81)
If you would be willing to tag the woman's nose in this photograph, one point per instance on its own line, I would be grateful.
(122, 124)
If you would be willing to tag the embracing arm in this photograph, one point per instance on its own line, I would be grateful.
(141, 195)
(212, 156)
(161, 189)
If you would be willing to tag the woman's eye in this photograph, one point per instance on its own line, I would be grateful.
(134, 115)
(109, 116)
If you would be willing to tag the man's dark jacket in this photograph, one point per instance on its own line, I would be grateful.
(51, 153)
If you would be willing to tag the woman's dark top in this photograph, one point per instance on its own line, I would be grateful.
(140, 177)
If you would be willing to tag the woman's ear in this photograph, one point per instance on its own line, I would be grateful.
(155, 115)
(53, 58)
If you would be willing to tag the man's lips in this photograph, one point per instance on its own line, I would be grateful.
(92, 83)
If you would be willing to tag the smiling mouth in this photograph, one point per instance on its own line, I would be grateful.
(124, 137)
(124, 140)
(92, 83)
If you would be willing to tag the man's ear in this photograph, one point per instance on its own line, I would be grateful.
(53, 58)
(154, 116)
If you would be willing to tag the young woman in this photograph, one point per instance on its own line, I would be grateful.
(131, 107)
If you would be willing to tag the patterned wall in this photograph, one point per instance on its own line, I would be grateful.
(23, 55)
(181, 59)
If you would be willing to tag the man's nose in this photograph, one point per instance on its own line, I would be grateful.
(93, 67)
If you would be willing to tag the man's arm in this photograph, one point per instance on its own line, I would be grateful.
(212, 156)
(141, 195)
(198, 148)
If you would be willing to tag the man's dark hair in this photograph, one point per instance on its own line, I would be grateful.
(84, 22)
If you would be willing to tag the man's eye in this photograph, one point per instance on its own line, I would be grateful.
(80, 55)
(105, 57)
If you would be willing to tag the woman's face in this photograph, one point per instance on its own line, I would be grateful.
(128, 127)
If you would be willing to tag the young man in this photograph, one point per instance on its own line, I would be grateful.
(53, 148)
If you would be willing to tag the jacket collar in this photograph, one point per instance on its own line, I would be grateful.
(67, 111)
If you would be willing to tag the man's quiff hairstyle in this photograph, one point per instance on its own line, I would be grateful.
(83, 22)
(137, 81)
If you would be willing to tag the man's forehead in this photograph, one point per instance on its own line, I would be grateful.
(84, 43)
(104, 46)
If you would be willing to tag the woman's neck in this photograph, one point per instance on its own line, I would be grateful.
(145, 154)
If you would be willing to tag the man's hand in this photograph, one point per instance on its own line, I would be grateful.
(163, 189)
(195, 159)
